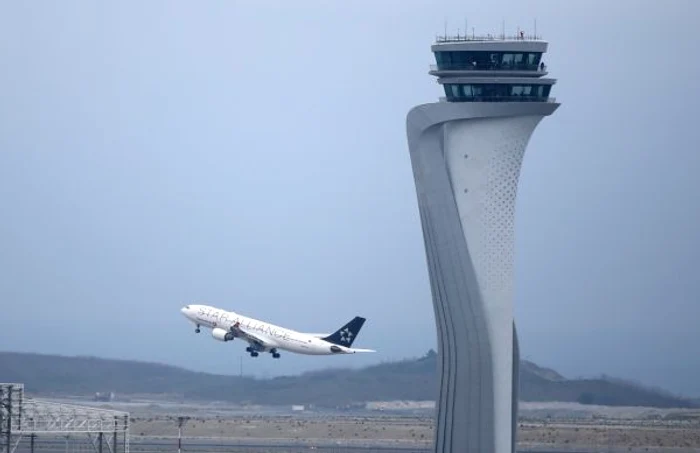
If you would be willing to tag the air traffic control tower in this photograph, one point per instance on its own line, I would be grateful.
(466, 152)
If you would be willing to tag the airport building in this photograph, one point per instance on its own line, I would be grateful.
(466, 151)
(28, 424)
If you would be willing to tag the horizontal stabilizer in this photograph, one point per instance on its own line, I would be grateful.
(362, 350)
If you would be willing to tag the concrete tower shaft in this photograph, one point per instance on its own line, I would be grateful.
(466, 154)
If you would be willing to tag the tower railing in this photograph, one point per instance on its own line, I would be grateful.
(495, 67)
(513, 98)
(488, 37)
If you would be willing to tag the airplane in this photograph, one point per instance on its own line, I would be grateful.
(264, 337)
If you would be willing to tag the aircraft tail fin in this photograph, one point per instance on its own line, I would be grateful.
(346, 334)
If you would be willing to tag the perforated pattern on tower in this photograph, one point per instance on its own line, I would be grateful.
(498, 215)
(484, 157)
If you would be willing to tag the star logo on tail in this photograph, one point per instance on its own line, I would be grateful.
(346, 335)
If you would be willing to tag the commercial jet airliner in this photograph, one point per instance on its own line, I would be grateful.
(264, 337)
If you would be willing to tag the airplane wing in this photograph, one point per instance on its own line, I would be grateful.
(250, 337)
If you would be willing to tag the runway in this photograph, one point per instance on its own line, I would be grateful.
(219, 445)
(84, 445)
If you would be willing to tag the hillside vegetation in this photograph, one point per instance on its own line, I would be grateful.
(405, 380)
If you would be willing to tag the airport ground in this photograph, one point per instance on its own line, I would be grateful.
(412, 433)
(546, 427)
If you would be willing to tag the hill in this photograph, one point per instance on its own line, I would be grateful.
(413, 379)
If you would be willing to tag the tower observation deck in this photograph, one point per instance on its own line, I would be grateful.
(486, 69)
(466, 153)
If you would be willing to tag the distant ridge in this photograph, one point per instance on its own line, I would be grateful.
(545, 373)
(411, 379)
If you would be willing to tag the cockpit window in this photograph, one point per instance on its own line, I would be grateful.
(187, 307)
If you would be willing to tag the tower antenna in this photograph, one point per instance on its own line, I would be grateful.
(535, 28)
(503, 29)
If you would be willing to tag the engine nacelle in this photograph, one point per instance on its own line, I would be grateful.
(221, 334)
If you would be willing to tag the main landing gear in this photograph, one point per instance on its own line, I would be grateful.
(254, 353)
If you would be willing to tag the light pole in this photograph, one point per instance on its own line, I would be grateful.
(180, 421)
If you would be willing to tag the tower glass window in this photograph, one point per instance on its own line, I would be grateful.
(487, 61)
(496, 92)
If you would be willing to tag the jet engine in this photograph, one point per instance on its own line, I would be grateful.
(221, 334)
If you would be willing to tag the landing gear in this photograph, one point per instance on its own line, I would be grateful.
(196, 330)
(275, 354)
(253, 354)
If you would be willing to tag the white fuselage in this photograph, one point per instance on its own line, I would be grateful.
(273, 337)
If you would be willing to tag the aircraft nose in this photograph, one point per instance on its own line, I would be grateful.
(185, 310)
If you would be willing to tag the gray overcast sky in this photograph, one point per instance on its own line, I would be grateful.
(253, 156)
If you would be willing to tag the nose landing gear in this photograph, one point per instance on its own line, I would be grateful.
(197, 330)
